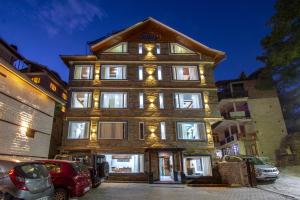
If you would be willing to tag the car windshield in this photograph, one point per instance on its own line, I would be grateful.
(257, 161)
(78, 167)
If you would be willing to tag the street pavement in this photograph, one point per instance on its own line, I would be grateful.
(287, 184)
(137, 191)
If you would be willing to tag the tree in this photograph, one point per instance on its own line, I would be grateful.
(281, 57)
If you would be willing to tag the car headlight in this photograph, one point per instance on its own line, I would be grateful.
(258, 172)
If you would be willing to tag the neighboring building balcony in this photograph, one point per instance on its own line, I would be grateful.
(236, 115)
(232, 94)
(228, 139)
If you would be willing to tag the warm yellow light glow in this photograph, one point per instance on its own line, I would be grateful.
(63, 109)
(52, 87)
(36, 80)
(150, 70)
(151, 99)
(64, 96)
(97, 76)
(149, 47)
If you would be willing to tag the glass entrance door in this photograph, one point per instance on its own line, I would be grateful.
(166, 166)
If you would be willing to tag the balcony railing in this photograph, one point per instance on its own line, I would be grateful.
(236, 115)
(233, 94)
(228, 140)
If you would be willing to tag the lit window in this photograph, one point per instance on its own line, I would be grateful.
(83, 72)
(161, 100)
(64, 96)
(157, 48)
(125, 163)
(197, 166)
(185, 73)
(163, 130)
(113, 72)
(52, 87)
(113, 100)
(78, 130)
(141, 99)
(140, 48)
(159, 73)
(119, 48)
(179, 49)
(36, 80)
(112, 130)
(188, 100)
(141, 130)
(191, 131)
(141, 73)
(81, 99)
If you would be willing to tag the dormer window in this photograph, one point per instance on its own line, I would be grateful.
(119, 48)
(179, 49)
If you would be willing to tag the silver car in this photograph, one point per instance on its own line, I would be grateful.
(263, 171)
(20, 179)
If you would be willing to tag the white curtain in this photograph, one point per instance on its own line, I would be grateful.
(81, 99)
(78, 130)
(114, 100)
(206, 166)
(77, 72)
(111, 130)
(195, 98)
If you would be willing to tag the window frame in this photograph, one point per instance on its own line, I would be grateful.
(160, 128)
(125, 130)
(102, 101)
(82, 65)
(197, 69)
(201, 99)
(107, 79)
(140, 73)
(170, 47)
(77, 121)
(191, 140)
(105, 51)
(159, 73)
(141, 103)
(143, 134)
(91, 103)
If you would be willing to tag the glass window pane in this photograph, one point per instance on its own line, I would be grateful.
(112, 130)
(191, 130)
(179, 49)
(141, 73)
(78, 130)
(185, 73)
(113, 72)
(188, 100)
(163, 130)
(157, 48)
(142, 130)
(140, 48)
(161, 100)
(119, 48)
(125, 163)
(197, 166)
(159, 73)
(141, 99)
(113, 100)
(83, 72)
(81, 100)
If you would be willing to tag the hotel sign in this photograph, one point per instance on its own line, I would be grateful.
(150, 37)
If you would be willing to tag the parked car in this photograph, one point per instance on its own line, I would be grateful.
(20, 179)
(70, 179)
(263, 171)
(96, 163)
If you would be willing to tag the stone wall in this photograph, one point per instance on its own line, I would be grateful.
(234, 173)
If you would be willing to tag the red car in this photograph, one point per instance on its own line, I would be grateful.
(70, 179)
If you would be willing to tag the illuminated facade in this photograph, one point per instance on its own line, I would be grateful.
(146, 99)
(26, 110)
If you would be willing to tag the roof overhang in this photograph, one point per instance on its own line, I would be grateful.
(68, 59)
(182, 38)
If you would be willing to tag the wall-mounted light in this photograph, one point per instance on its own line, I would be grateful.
(202, 75)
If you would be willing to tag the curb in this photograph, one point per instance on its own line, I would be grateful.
(281, 194)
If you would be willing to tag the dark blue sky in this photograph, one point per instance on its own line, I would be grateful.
(43, 30)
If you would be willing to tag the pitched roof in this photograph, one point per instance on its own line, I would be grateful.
(117, 36)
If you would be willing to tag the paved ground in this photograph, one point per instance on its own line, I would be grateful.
(137, 191)
(288, 183)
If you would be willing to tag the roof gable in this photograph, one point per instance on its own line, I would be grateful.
(151, 30)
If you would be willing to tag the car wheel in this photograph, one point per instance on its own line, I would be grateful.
(60, 194)
(95, 185)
